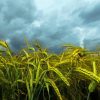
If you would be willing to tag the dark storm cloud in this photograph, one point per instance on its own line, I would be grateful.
(52, 22)
(17, 43)
(15, 15)
(91, 15)
(20, 9)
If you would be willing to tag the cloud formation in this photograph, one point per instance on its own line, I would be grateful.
(91, 15)
(53, 22)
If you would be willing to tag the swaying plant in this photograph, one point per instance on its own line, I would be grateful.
(93, 83)
(36, 74)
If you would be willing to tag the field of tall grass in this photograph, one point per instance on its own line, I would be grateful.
(37, 74)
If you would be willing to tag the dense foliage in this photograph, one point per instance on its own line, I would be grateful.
(36, 74)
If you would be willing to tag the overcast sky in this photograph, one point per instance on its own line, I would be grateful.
(53, 22)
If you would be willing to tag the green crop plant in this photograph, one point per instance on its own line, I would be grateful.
(35, 73)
